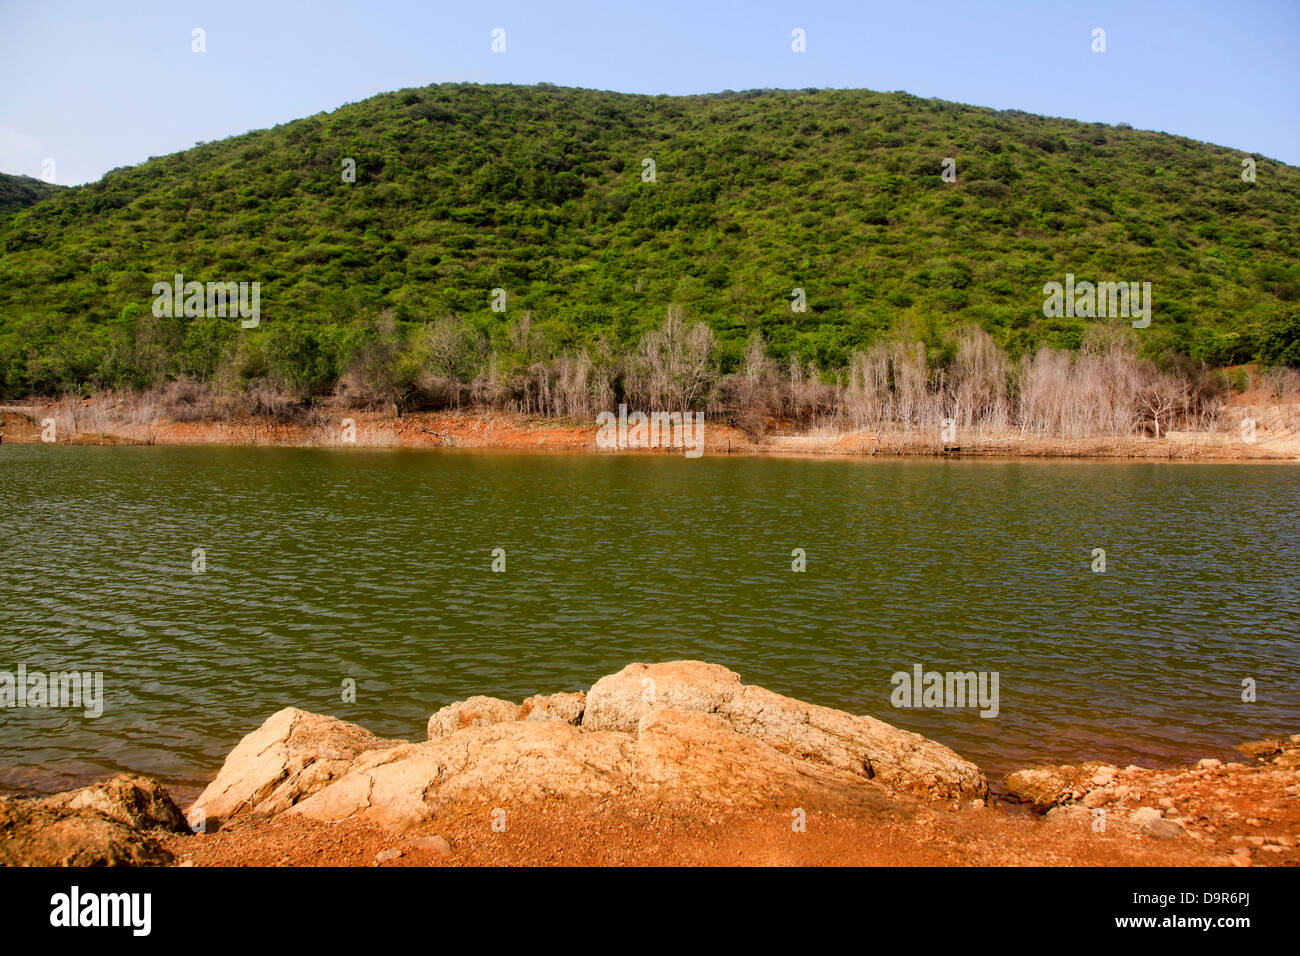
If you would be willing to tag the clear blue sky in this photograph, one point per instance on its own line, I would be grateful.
(95, 84)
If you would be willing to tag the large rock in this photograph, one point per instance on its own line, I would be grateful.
(139, 802)
(862, 746)
(474, 712)
(566, 707)
(1052, 786)
(291, 756)
(36, 833)
(619, 701)
(680, 730)
(686, 756)
(480, 765)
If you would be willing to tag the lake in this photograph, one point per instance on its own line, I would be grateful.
(326, 565)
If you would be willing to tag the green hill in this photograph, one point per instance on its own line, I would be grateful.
(461, 189)
(18, 192)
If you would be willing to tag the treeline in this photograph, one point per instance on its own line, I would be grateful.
(902, 383)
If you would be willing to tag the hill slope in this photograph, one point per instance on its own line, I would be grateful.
(18, 192)
(538, 190)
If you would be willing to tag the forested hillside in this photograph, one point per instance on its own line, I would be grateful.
(17, 192)
(542, 192)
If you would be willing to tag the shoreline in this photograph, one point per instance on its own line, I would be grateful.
(500, 431)
(707, 771)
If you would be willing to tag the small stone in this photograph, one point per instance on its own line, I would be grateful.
(1209, 763)
(1150, 822)
(1273, 849)
(438, 844)
(1255, 840)
(1167, 803)
(1104, 776)
(386, 856)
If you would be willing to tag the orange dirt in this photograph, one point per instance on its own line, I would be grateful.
(94, 423)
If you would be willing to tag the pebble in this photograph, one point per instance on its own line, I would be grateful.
(1104, 776)
(438, 844)
(1209, 763)
(385, 856)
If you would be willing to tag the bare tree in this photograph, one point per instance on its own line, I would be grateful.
(672, 368)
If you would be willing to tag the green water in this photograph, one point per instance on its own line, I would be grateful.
(376, 566)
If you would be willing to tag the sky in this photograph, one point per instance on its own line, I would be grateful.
(87, 85)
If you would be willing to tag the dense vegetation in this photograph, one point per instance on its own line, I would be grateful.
(17, 192)
(382, 287)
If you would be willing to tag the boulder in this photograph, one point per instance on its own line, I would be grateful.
(687, 756)
(683, 730)
(291, 756)
(480, 765)
(862, 746)
(619, 701)
(566, 707)
(1050, 786)
(36, 833)
(474, 712)
(139, 802)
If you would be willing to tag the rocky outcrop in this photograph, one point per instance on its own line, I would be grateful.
(138, 802)
(113, 823)
(566, 707)
(291, 756)
(1279, 751)
(687, 756)
(862, 746)
(1046, 787)
(619, 701)
(474, 712)
(483, 764)
(683, 731)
